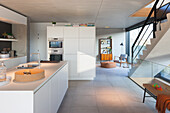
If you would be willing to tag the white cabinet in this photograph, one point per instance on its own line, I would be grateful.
(59, 85)
(55, 32)
(65, 79)
(86, 66)
(87, 46)
(70, 46)
(43, 96)
(72, 61)
(49, 97)
(71, 32)
(16, 101)
(87, 32)
(81, 67)
(54, 94)
(42, 99)
(79, 50)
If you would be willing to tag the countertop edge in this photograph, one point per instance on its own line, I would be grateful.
(5, 59)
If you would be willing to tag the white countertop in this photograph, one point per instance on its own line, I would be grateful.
(50, 70)
(3, 59)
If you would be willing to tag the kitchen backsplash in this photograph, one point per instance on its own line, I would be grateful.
(5, 27)
(5, 45)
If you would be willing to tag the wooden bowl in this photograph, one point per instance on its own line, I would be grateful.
(29, 75)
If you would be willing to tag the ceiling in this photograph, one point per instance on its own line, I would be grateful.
(112, 13)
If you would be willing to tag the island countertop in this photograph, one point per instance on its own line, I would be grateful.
(3, 59)
(50, 70)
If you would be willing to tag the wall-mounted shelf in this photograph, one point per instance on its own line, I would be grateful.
(12, 40)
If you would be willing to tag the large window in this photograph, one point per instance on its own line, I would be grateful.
(143, 39)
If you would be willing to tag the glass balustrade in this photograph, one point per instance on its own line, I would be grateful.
(144, 71)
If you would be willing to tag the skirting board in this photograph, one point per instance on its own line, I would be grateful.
(81, 78)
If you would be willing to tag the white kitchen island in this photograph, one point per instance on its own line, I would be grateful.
(42, 96)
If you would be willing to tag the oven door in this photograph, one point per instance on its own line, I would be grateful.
(55, 44)
(56, 57)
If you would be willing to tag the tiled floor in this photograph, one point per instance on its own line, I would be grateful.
(110, 92)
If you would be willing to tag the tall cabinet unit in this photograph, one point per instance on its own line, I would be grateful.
(87, 60)
(71, 50)
(54, 32)
(79, 50)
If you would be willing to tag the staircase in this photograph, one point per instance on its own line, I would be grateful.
(140, 55)
(159, 35)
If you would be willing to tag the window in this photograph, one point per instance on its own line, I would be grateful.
(142, 41)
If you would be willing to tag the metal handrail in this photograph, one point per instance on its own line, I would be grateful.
(142, 37)
(149, 34)
(151, 12)
(143, 44)
(155, 20)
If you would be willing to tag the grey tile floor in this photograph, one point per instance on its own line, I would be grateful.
(110, 92)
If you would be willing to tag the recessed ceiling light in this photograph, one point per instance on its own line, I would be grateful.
(107, 26)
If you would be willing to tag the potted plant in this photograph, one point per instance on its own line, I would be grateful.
(110, 50)
(110, 37)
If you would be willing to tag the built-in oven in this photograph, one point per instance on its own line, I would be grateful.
(56, 57)
(55, 43)
(55, 54)
(55, 49)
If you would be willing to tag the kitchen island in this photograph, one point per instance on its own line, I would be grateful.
(42, 96)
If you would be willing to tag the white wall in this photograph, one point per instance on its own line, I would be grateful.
(20, 32)
(38, 33)
(118, 36)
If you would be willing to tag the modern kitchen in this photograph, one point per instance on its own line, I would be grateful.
(37, 60)
(84, 56)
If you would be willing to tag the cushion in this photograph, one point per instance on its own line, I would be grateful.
(123, 56)
(108, 64)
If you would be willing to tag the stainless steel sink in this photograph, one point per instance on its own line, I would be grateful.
(27, 67)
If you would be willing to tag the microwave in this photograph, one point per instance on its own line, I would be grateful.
(55, 43)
